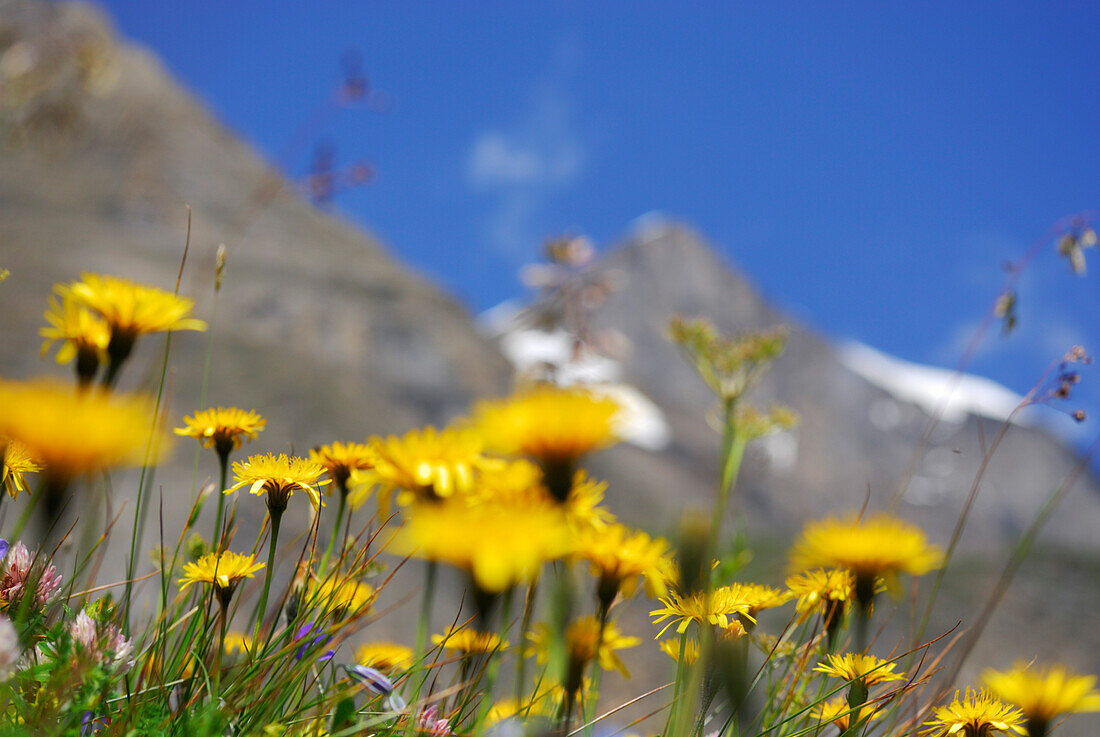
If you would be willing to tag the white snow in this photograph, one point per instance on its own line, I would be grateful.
(933, 390)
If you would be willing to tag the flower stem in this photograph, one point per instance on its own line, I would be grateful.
(276, 519)
(223, 460)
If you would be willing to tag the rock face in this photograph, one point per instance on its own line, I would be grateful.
(855, 438)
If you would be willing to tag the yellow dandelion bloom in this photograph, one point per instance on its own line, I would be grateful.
(720, 608)
(759, 597)
(341, 459)
(519, 482)
(878, 546)
(131, 309)
(671, 648)
(222, 428)
(386, 657)
(237, 642)
(419, 465)
(976, 714)
(553, 425)
(1044, 693)
(82, 334)
(468, 641)
(222, 570)
(17, 464)
(498, 545)
(867, 669)
(584, 644)
(619, 557)
(839, 712)
(336, 594)
(279, 477)
(512, 709)
(820, 590)
(73, 432)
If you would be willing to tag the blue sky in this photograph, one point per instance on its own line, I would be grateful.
(870, 167)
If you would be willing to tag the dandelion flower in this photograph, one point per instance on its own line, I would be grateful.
(866, 669)
(720, 608)
(340, 460)
(386, 657)
(82, 335)
(278, 477)
(520, 482)
(237, 642)
(1044, 693)
(338, 594)
(619, 557)
(584, 643)
(498, 545)
(759, 597)
(554, 426)
(72, 433)
(839, 712)
(17, 464)
(671, 648)
(468, 641)
(977, 714)
(129, 308)
(880, 546)
(426, 464)
(222, 570)
(821, 590)
(222, 428)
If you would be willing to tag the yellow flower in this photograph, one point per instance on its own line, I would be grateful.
(879, 546)
(17, 464)
(759, 597)
(131, 309)
(342, 595)
(866, 669)
(555, 426)
(839, 712)
(977, 714)
(511, 709)
(421, 464)
(222, 428)
(671, 648)
(1044, 693)
(467, 641)
(499, 545)
(821, 590)
(721, 608)
(222, 570)
(237, 642)
(386, 657)
(583, 644)
(520, 482)
(83, 336)
(73, 432)
(279, 477)
(341, 459)
(618, 557)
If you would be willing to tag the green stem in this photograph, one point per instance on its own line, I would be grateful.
(223, 460)
(276, 519)
(525, 625)
(733, 451)
(340, 510)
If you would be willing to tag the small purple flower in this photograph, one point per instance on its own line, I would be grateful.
(3, 547)
(303, 633)
(378, 684)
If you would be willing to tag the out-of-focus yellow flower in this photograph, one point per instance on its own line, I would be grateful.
(131, 309)
(386, 657)
(83, 336)
(73, 432)
(237, 642)
(426, 464)
(821, 590)
(880, 546)
(555, 426)
(222, 428)
(619, 557)
(840, 713)
(347, 595)
(278, 477)
(468, 641)
(519, 482)
(720, 608)
(671, 648)
(341, 460)
(498, 545)
(17, 464)
(1044, 693)
(222, 570)
(759, 597)
(512, 709)
(866, 669)
(977, 713)
(583, 644)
